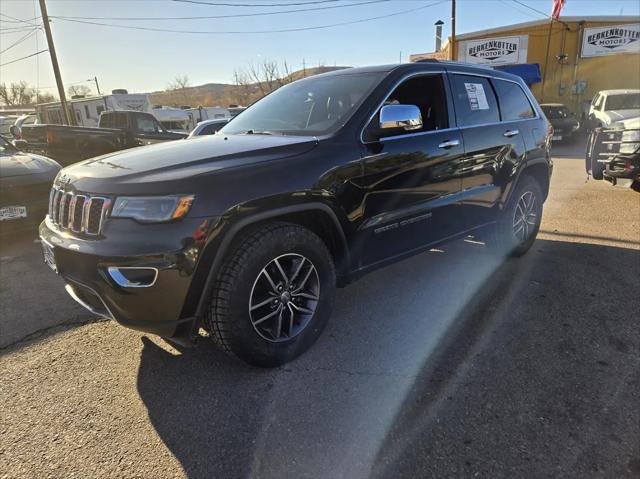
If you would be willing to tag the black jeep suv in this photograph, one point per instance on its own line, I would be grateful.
(246, 233)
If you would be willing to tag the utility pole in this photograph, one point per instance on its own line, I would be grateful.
(95, 79)
(68, 119)
(452, 52)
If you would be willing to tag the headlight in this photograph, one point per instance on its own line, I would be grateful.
(152, 208)
(631, 136)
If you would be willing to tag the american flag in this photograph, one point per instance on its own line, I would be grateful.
(557, 8)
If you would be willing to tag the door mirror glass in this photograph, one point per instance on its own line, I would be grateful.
(397, 118)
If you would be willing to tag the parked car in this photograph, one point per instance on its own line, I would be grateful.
(207, 127)
(25, 183)
(612, 106)
(248, 232)
(562, 119)
(614, 153)
(118, 130)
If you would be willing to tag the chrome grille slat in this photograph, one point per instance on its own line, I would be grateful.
(80, 213)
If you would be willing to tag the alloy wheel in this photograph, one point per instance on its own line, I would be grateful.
(284, 297)
(525, 217)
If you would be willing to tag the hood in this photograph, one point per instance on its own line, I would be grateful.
(14, 164)
(631, 123)
(617, 115)
(176, 160)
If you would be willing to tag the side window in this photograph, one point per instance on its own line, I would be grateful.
(427, 93)
(99, 109)
(474, 100)
(514, 104)
(146, 125)
(86, 111)
(78, 117)
(599, 102)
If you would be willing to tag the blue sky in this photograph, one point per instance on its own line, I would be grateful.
(146, 60)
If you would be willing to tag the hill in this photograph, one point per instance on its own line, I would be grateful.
(224, 94)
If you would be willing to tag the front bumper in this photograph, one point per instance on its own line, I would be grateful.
(172, 249)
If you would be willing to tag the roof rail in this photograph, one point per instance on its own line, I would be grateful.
(427, 60)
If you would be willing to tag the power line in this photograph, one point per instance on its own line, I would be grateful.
(540, 12)
(245, 32)
(19, 41)
(236, 15)
(17, 20)
(23, 58)
(290, 4)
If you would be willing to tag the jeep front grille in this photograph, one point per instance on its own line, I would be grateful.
(78, 212)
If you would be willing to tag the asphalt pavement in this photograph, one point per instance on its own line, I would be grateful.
(448, 364)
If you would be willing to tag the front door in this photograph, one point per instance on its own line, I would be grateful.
(411, 180)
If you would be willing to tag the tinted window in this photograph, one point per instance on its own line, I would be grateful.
(555, 112)
(146, 124)
(627, 101)
(474, 100)
(427, 93)
(514, 104)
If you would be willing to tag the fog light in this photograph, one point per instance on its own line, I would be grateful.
(133, 276)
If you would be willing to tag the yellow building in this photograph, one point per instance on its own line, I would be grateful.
(585, 55)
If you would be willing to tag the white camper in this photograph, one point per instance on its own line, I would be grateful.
(173, 119)
(87, 109)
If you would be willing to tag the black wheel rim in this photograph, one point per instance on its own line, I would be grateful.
(525, 217)
(284, 297)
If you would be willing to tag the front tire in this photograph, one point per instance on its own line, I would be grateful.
(519, 223)
(273, 295)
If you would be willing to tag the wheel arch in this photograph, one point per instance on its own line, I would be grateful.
(315, 216)
(540, 170)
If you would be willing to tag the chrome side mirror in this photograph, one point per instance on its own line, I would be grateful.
(400, 118)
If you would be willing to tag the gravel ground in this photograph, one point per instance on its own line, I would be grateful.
(445, 365)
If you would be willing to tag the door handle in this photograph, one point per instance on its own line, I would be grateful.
(449, 144)
(510, 133)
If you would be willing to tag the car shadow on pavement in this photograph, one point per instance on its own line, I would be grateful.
(441, 365)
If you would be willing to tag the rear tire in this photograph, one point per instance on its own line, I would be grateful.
(592, 165)
(517, 228)
(273, 295)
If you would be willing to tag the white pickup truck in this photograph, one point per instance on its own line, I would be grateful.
(610, 107)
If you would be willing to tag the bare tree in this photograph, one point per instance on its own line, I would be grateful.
(45, 98)
(268, 75)
(16, 94)
(180, 84)
(82, 90)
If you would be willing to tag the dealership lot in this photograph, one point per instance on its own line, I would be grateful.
(447, 364)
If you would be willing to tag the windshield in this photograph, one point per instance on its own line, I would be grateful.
(556, 112)
(626, 101)
(313, 106)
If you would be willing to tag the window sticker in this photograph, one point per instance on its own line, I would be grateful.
(476, 96)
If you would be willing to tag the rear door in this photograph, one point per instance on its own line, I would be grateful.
(494, 143)
(411, 179)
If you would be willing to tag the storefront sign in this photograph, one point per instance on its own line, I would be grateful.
(495, 51)
(601, 41)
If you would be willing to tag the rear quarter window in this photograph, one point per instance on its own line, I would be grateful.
(475, 101)
(514, 104)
